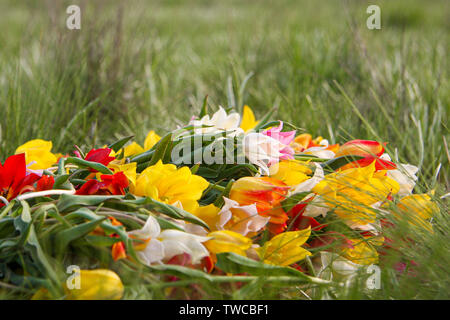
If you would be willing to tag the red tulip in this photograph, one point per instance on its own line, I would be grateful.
(100, 156)
(110, 184)
(370, 150)
(14, 179)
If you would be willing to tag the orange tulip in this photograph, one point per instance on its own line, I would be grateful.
(360, 148)
(305, 141)
(266, 193)
(370, 150)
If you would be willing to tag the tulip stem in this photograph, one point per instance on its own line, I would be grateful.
(217, 187)
(306, 158)
(227, 279)
(44, 193)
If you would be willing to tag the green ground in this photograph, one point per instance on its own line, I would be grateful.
(141, 65)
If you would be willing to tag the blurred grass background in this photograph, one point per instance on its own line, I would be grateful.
(141, 65)
(148, 65)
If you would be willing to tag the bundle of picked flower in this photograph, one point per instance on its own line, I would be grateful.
(224, 199)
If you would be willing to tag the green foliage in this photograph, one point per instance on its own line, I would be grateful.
(319, 68)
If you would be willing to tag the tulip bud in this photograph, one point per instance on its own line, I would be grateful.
(228, 241)
(361, 148)
(98, 284)
(266, 193)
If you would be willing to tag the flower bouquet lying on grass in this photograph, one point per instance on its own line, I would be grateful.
(220, 203)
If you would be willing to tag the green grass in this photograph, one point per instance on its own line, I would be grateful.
(148, 65)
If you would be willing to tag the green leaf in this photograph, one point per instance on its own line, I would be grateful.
(175, 212)
(116, 146)
(234, 263)
(334, 164)
(60, 180)
(245, 168)
(194, 168)
(179, 271)
(166, 224)
(101, 241)
(61, 166)
(204, 110)
(265, 118)
(162, 148)
(144, 156)
(24, 224)
(219, 201)
(250, 290)
(89, 164)
(6, 227)
(63, 238)
(67, 201)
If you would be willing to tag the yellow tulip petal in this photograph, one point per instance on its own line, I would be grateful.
(248, 119)
(151, 139)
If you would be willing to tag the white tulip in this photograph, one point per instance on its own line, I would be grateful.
(162, 246)
(250, 220)
(220, 121)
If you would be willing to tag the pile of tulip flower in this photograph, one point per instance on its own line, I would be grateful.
(225, 198)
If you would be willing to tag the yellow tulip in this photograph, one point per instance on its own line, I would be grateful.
(291, 172)
(128, 169)
(98, 284)
(228, 241)
(285, 248)
(351, 192)
(362, 252)
(248, 119)
(151, 139)
(166, 183)
(38, 152)
(209, 214)
(132, 149)
(417, 209)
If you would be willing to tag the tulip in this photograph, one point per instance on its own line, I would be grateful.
(405, 175)
(110, 184)
(37, 154)
(151, 139)
(155, 246)
(291, 172)
(169, 184)
(285, 249)
(353, 191)
(361, 252)
(248, 121)
(285, 139)
(318, 147)
(128, 169)
(266, 193)
(262, 150)
(210, 215)
(240, 219)
(370, 150)
(417, 209)
(220, 121)
(45, 183)
(14, 179)
(228, 241)
(98, 284)
(132, 149)
(101, 155)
